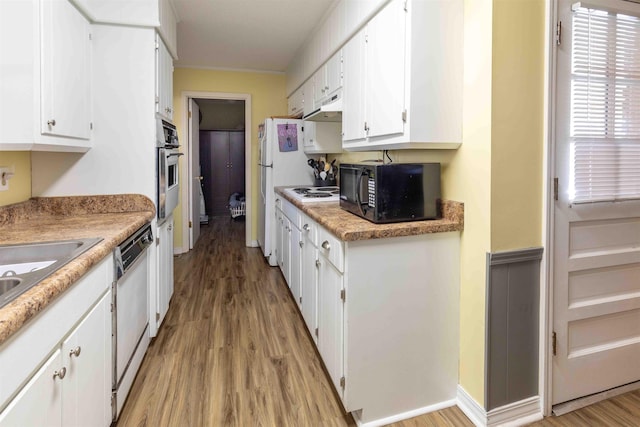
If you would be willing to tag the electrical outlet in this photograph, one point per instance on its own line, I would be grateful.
(6, 173)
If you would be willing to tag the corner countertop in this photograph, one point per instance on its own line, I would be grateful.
(111, 217)
(349, 227)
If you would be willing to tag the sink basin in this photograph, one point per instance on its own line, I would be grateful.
(24, 266)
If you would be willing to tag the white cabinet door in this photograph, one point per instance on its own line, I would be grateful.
(309, 279)
(164, 80)
(86, 354)
(353, 111)
(39, 403)
(295, 260)
(333, 74)
(307, 95)
(65, 103)
(296, 102)
(286, 249)
(280, 231)
(331, 320)
(165, 270)
(385, 71)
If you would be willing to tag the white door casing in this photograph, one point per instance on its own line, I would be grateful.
(194, 172)
(596, 263)
(186, 191)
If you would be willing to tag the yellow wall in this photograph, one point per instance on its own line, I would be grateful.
(20, 184)
(267, 99)
(517, 124)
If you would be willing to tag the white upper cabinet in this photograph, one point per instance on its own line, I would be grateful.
(327, 81)
(296, 103)
(164, 80)
(322, 137)
(353, 106)
(158, 14)
(45, 76)
(66, 71)
(403, 78)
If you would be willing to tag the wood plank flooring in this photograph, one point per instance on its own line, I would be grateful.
(234, 351)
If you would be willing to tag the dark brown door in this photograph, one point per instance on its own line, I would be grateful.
(222, 163)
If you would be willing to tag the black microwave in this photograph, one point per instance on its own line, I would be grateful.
(393, 192)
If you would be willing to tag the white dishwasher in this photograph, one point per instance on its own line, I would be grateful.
(130, 320)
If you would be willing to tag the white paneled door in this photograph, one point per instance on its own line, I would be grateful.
(596, 261)
(194, 208)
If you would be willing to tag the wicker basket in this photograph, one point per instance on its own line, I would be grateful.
(239, 210)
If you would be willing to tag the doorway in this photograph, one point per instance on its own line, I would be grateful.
(222, 153)
(219, 175)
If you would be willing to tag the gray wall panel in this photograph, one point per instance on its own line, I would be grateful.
(513, 293)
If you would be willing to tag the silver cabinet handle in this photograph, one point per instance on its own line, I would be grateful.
(75, 352)
(317, 263)
(51, 122)
(326, 245)
(300, 243)
(60, 374)
(306, 227)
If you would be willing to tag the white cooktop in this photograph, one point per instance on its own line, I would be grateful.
(314, 194)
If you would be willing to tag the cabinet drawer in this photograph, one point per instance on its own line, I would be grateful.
(309, 229)
(332, 248)
(292, 213)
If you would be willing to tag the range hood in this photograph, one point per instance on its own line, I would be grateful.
(330, 111)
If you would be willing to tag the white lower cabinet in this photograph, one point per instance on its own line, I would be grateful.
(330, 316)
(86, 355)
(309, 276)
(68, 346)
(39, 403)
(387, 315)
(165, 270)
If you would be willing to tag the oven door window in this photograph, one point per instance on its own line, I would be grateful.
(172, 172)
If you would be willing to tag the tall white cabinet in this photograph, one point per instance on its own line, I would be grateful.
(45, 76)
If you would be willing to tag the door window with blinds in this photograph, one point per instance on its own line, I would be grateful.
(605, 106)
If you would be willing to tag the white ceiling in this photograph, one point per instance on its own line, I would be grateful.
(261, 35)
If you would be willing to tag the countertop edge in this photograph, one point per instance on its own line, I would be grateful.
(349, 227)
(19, 312)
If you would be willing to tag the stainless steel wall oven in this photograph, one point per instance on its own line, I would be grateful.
(168, 176)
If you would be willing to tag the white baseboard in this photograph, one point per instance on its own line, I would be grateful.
(405, 415)
(514, 414)
(177, 250)
(472, 409)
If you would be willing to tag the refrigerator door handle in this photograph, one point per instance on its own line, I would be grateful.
(266, 166)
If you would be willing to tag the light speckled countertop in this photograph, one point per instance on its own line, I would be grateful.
(349, 227)
(112, 217)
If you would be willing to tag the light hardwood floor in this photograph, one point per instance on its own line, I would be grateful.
(234, 351)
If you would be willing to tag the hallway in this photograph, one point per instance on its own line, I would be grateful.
(232, 350)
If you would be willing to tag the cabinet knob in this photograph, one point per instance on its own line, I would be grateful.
(51, 122)
(306, 227)
(326, 245)
(300, 243)
(60, 374)
(317, 263)
(75, 352)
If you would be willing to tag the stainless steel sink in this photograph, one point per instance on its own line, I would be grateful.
(24, 266)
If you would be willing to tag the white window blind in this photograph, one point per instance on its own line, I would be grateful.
(605, 106)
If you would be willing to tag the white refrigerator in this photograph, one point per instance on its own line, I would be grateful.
(282, 162)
